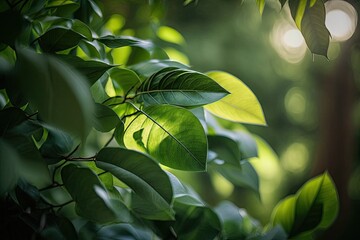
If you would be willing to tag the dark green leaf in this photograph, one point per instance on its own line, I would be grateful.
(82, 184)
(10, 118)
(92, 70)
(58, 39)
(60, 93)
(124, 232)
(180, 87)
(161, 132)
(148, 68)
(143, 175)
(196, 222)
(226, 149)
(282, 2)
(231, 220)
(105, 118)
(57, 145)
(9, 161)
(314, 207)
(123, 41)
(297, 8)
(32, 167)
(314, 30)
(119, 133)
(11, 25)
(243, 176)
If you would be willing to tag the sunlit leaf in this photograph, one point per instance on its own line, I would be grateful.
(180, 87)
(241, 105)
(315, 206)
(60, 93)
(144, 176)
(124, 80)
(297, 8)
(162, 131)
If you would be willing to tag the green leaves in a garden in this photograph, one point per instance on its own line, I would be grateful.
(241, 105)
(59, 92)
(314, 207)
(123, 41)
(160, 131)
(180, 87)
(144, 176)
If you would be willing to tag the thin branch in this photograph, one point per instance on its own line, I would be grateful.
(54, 185)
(72, 152)
(112, 98)
(102, 173)
(85, 159)
(129, 115)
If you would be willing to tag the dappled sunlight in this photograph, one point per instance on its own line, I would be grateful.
(288, 41)
(341, 19)
(295, 104)
(295, 158)
(222, 186)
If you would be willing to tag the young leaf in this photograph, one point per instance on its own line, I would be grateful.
(315, 206)
(240, 106)
(92, 70)
(161, 132)
(314, 30)
(261, 5)
(141, 174)
(297, 8)
(105, 118)
(60, 93)
(180, 87)
(81, 183)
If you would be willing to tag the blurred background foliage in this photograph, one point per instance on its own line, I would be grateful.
(311, 103)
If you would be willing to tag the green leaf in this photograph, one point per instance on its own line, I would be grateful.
(297, 8)
(60, 93)
(260, 4)
(57, 145)
(92, 70)
(180, 87)
(11, 25)
(226, 149)
(58, 39)
(314, 207)
(82, 183)
(240, 106)
(32, 166)
(9, 161)
(124, 231)
(10, 118)
(124, 80)
(123, 41)
(105, 118)
(160, 131)
(143, 175)
(231, 220)
(183, 194)
(152, 66)
(242, 176)
(313, 29)
(196, 222)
